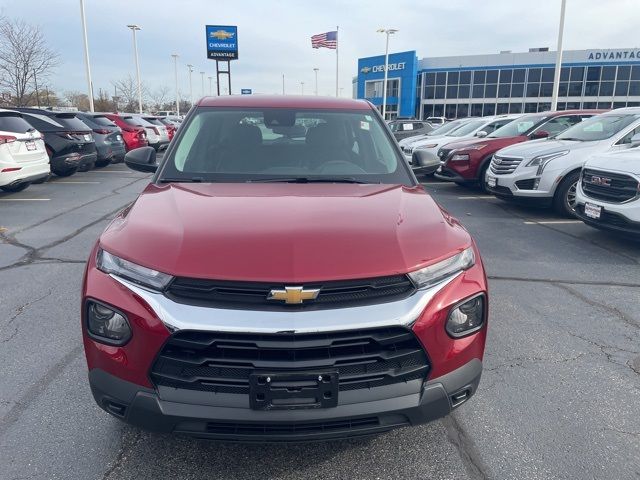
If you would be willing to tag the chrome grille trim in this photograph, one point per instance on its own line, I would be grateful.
(505, 166)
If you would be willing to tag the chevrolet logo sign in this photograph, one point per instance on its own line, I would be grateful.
(365, 69)
(221, 34)
(293, 295)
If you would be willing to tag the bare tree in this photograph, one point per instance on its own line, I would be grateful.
(24, 59)
(77, 99)
(127, 89)
(159, 97)
(103, 103)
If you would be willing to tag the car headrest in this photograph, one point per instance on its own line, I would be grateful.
(324, 135)
(243, 135)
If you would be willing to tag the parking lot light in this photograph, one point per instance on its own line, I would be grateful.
(133, 28)
(387, 32)
(190, 67)
(202, 76)
(175, 68)
(86, 54)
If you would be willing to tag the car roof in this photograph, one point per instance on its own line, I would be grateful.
(284, 101)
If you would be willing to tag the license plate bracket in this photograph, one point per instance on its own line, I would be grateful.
(492, 181)
(31, 146)
(293, 390)
(592, 210)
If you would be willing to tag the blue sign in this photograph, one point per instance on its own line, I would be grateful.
(403, 68)
(246, 91)
(222, 42)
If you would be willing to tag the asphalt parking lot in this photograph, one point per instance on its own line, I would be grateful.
(559, 397)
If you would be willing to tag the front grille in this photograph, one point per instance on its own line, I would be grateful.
(254, 295)
(526, 184)
(609, 187)
(504, 165)
(407, 150)
(443, 154)
(222, 362)
(267, 429)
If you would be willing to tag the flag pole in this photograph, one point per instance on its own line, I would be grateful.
(337, 47)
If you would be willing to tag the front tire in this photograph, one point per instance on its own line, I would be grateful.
(564, 200)
(15, 188)
(103, 163)
(482, 178)
(65, 173)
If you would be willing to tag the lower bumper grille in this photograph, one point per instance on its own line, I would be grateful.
(526, 184)
(258, 429)
(223, 362)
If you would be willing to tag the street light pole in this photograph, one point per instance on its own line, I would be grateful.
(302, 86)
(202, 76)
(135, 54)
(283, 84)
(190, 83)
(316, 71)
(556, 76)
(175, 68)
(86, 54)
(387, 31)
(210, 89)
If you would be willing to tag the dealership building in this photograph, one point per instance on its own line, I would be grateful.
(506, 82)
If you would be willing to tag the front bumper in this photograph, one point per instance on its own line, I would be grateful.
(359, 413)
(623, 217)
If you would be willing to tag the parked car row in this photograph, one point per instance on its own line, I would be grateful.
(580, 162)
(36, 142)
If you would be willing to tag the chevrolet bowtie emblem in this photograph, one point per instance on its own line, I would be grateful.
(222, 34)
(293, 295)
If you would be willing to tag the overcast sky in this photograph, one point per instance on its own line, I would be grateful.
(274, 35)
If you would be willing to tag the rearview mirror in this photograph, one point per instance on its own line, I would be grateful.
(635, 140)
(481, 134)
(142, 159)
(540, 134)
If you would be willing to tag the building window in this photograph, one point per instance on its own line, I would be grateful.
(563, 89)
(564, 74)
(518, 75)
(577, 74)
(573, 106)
(502, 108)
(453, 78)
(450, 111)
(438, 110)
(476, 110)
(624, 72)
(587, 105)
(490, 90)
(373, 89)
(463, 91)
(441, 78)
(621, 89)
(452, 91)
(440, 90)
(427, 111)
(489, 109)
(465, 78)
(492, 76)
(604, 105)
(575, 89)
(505, 76)
(530, 107)
(606, 89)
(544, 106)
(634, 88)
(515, 108)
(533, 89)
(517, 90)
(478, 91)
(504, 91)
(591, 89)
(608, 73)
(393, 86)
(547, 74)
(479, 77)
(546, 89)
(463, 110)
(619, 104)
(430, 92)
(534, 74)
(430, 79)
(593, 74)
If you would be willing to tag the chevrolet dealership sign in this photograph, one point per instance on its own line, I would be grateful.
(380, 68)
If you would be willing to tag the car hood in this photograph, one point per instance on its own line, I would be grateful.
(534, 148)
(491, 144)
(627, 161)
(284, 232)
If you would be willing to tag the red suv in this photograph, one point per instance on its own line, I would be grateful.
(283, 277)
(133, 135)
(467, 162)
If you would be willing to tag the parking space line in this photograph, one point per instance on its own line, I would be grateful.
(68, 182)
(550, 222)
(473, 197)
(24, 199)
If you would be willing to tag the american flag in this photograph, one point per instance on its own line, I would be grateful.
(326, 40)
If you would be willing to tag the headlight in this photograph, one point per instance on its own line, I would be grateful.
(107, 325)
(147, 277)
(477, 147)
(431, 145)
(467, 317)
(459, 157)
(427, 276)
(542, 160)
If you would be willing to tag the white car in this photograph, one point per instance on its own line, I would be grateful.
(608, 194)
(155, 136)
(428, 160)
(406, 144)
(546, 172)
(23, 156)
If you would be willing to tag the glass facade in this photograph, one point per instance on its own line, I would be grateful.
(460, 92)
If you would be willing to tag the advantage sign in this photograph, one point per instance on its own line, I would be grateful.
(245, 91)
(222, 42)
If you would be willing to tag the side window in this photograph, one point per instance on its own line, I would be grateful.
(627, 138)
(418, 125)
(496, 125)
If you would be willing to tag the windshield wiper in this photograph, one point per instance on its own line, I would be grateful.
(182, 180)
(308, 180)
(571, 139)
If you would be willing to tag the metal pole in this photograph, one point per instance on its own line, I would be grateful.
(135, 54)
(283, 84)
(316, 71)
(190, 83)
(337, 44)
(175, 69)
(35, 80)
(86, 54)
(202, 77)
(384, 83)
(210, 90)
(556, 76)
(302, 85)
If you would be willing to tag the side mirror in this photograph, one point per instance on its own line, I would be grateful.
(539, 134)
(481, 134)
(635, 140)
(142, 159)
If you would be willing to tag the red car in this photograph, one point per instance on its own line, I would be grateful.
(467, 162)
(133, 135)
(283, 277)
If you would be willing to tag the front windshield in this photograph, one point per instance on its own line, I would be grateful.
(518, 127)
(598, 127)
(446, 128)
(467, 128)
(278, 144)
